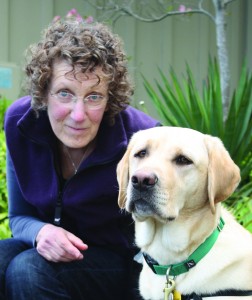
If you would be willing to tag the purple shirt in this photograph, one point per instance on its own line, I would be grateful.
(89, 198)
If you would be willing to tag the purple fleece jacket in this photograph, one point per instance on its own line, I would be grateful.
(89, 198)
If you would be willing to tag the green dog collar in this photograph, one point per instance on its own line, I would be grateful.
(193, 259)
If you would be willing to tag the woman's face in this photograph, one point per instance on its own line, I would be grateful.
(76, 122)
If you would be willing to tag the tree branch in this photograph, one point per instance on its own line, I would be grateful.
(114, 8)
(173, 13)
(218, 18)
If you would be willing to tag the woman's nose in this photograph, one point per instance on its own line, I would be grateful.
(78, 111)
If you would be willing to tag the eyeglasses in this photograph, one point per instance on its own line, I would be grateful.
(93, 101)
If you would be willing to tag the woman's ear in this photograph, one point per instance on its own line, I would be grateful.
(223, 173)
(123, 178)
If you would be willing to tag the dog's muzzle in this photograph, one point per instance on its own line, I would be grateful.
(142, 191)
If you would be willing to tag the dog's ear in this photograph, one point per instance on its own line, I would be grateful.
(223, 173)
(123, 178)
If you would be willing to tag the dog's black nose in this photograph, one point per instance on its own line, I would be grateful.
(143, 180)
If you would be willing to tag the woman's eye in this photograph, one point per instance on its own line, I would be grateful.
(141, 153)
(64, 94)
(94, 97)
(182, 160)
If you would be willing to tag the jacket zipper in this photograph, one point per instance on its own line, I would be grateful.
(58, 209)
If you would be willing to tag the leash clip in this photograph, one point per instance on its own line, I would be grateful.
(169, 286)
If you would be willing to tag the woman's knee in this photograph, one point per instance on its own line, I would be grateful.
(9, 249)
(25, 267)
(30, 276)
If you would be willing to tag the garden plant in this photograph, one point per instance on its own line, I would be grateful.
(4, 222)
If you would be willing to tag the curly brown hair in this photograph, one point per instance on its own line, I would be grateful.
(86, 45)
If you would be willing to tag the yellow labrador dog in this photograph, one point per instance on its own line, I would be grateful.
(172, 180)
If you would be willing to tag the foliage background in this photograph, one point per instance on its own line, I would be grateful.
(4, 223)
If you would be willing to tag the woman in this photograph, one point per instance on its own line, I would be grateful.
(70, 240)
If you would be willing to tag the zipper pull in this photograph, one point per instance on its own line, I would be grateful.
(58, 210)
(57, 215)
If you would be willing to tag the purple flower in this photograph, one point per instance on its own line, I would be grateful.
(182, 8)
(56, 18)
(89, 20)
(79, 18)
(72, 12)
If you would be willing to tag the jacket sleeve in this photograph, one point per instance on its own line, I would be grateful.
(24, 222)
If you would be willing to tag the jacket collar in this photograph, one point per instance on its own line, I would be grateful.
(111, 140)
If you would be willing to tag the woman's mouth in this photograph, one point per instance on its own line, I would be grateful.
(76, 130)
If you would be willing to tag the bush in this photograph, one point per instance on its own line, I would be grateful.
(4, 222)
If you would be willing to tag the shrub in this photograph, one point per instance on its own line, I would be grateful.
(4, 222)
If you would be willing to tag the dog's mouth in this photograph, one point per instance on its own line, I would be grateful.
(142, 209)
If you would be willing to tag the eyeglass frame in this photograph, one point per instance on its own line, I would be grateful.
(74, 99)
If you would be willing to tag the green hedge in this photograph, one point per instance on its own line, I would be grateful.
(4, 222)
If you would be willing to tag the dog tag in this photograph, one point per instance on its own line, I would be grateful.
(168, 289)
(176, 295)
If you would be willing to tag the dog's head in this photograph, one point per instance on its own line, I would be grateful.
(169, 170)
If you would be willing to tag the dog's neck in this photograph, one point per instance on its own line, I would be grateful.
(178, 239)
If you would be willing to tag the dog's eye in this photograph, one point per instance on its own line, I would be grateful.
(182, 160)
(141, 153)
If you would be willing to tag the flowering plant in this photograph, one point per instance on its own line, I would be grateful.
(183, 9)
(73, 14)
